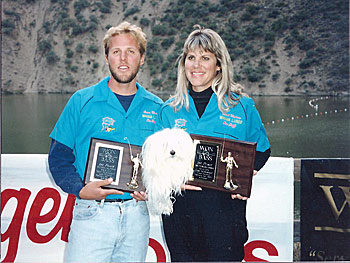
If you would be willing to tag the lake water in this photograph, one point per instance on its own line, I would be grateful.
(295, 128)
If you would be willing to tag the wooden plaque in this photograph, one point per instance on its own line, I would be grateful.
(216, 157)
(108, 159)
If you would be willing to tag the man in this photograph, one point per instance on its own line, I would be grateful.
(118, 109)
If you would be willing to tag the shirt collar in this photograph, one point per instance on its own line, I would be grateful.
(103, 92)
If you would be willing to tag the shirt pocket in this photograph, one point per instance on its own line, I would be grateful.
(141, 131)
(233, 132)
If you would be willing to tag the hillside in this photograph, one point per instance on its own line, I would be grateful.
(279, 47)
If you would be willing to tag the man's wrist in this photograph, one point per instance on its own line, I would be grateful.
(76, 189)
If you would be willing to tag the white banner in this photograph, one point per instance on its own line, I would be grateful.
(35, 213)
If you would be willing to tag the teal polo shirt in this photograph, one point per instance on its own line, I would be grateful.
(95, 112)
(241, 122)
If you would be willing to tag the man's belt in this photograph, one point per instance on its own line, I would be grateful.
(114, 200)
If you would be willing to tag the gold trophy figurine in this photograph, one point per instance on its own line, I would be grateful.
(229, 166)
(133, 182)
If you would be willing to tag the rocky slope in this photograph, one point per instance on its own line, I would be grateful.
(278, 47)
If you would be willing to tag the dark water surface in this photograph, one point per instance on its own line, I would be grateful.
(28, 119)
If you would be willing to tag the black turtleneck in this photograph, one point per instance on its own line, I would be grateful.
(201, 99)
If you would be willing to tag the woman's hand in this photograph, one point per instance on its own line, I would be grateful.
(190, 187)
(139, 196)
(238, 196)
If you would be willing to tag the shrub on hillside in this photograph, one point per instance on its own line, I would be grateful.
(80, 5)
(67, 42)
(288, 81)
(79, 48)
(105, 6)
(144, 21)
(52, 58)
(275, 76)
(93, 48)
(44, 46)
(306, 63)
(156, 82)
(307, 44)
(69, 53)
(279, 25)
(167, 42)
(77, 29)
(46, 26)
(131, 11)
(160, 29)
(68, 61)
(7, 26)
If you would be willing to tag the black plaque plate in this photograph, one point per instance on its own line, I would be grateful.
(108, 159)
(209, 169)
(206, 161)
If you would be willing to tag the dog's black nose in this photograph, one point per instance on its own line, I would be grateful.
(172, 152)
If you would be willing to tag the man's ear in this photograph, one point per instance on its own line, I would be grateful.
(142, 60)
(106, 59)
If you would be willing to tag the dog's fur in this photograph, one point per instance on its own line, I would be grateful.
(167, 158)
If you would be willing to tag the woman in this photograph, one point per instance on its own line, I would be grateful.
(209, 225)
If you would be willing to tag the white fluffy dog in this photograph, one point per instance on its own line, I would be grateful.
(167, 158)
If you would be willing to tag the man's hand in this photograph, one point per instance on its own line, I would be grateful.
(93, 190)
(139, 196)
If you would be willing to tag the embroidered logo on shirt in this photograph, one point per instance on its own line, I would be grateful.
(149, 115)
(231, 120)
(180, 123)
(107, 124)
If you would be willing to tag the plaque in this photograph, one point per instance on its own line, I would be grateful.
(223, 164)
(119, 161)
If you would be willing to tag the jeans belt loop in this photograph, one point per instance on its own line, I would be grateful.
(102, 203)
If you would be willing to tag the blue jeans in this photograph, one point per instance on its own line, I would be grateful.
(109, 232)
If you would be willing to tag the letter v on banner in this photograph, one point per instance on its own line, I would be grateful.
(327, 190)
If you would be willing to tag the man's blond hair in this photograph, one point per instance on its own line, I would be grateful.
(126, 28)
